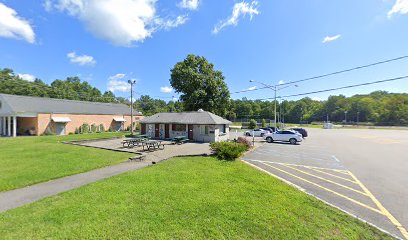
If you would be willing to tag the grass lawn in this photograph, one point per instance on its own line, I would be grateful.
(28, 160)
(191, 197)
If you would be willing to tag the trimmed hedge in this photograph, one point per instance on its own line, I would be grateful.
(228, 150)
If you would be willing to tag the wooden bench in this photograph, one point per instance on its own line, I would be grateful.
(139, 157)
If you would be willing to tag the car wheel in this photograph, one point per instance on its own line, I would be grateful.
(292, 141)
(269, 139)
(248, 134)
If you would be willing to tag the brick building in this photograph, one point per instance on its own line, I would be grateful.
(22, 115)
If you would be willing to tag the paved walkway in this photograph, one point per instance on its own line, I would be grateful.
(19, 197)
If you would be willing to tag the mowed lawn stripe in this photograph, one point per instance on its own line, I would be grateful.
(28, 160)
(190, 197)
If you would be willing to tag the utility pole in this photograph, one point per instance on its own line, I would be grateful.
(275, 89)
(131, 82)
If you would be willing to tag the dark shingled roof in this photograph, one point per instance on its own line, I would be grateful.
(199, 117)
(25, 104)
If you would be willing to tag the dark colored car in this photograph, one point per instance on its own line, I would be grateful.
(301, 131)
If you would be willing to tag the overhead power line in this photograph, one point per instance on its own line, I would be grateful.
(330, 74)
(339, 88)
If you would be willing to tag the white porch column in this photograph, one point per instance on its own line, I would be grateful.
(9, 126)
(4, 126)
(15, 126)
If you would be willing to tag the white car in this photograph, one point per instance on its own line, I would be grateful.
(256, 132)
(284, 136)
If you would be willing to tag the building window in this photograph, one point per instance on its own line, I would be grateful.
(178, 127)
(203, 130)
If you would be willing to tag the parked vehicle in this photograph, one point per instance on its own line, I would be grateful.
(284, 136)
(301, 131)
(257, 132)
(270, 129)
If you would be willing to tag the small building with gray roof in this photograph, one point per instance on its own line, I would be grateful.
(23, 115)
(200, 126)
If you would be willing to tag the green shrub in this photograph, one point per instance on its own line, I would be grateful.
(84, 128)
(93, 127)
(101, 128)
(228, 150)
(263, 123)
(252, 124)
(243, 140)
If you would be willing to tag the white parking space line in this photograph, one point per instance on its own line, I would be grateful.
(325, 188)
(279, 166)
(335, 159)
(297, 165)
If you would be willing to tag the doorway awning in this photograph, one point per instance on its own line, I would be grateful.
(61, 119)
(119, 119)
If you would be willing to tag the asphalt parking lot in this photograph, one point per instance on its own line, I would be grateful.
(363, 172)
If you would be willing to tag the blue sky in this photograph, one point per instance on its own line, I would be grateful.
(106, 42)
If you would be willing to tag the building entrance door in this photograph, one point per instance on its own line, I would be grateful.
(167, 131)
(118, 126)
(60, 128)
(190, 132)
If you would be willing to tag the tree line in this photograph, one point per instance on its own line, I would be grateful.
(379, 107)
(200, 85)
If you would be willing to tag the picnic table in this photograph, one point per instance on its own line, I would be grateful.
(152, 144)
(180, 139)
(133, 141)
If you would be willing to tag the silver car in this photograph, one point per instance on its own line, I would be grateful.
(256, 132)
(284, 136)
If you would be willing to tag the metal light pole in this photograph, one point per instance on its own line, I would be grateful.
(345, 117)
(131, 82)
(358, 117)
(276, 126)
(275, 89)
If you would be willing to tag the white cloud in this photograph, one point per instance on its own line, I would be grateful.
(166, 89)
(189, 4)
(27, 77)
(240, 9)
(81, 60)
(122, 22)
(117, 84)
(171, 23)
(281, 82)
(13, 26)
(250, 88)
(47, 4)
(331, 38)
(400, 7)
